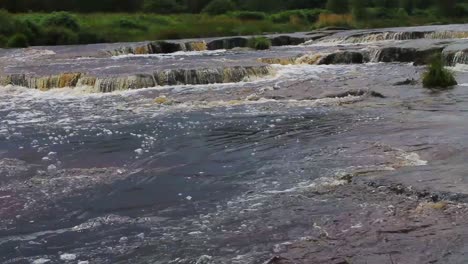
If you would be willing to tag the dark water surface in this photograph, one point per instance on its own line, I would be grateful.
(118, 178)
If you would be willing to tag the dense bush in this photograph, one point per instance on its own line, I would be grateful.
(61, 19)
(89, 38)
(60, 36)
(248, 15)
(338, 6)
(218, 7)
(3, 41)
(437, 76)
(334, 20)
(162, 6)
(259, 43)
(18, 41)
(7, 23)
(308, 15)
(130, 24)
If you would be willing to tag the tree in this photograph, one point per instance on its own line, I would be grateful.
(407, 5)
(195, 6)
(162, 6)
(338, 6)
(358, 9)
(218, 7)
(446, 7)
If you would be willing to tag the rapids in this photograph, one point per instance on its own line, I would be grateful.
(324, 149)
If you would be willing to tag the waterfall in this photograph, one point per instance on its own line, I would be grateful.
(159, 78)
(454, 58)
(393, 36)
(374, 55)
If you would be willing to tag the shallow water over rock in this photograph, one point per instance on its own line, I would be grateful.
(300, 154)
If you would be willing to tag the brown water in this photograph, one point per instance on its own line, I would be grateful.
(235, 172)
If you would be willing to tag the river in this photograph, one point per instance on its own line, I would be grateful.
(330, 151)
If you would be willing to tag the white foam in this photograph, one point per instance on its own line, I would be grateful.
(172, 55)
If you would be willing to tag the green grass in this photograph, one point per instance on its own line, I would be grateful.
(437, 76)
(117, 27)
(259, 43)
(126, 27)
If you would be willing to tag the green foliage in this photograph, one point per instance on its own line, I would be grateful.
(437, 76)
(18, 41)
(60, 36)
(248, 15)
(358, 9)
(61, 19)
(130, 24)
(259, 43)
(407, 5)
(308, 15)
(338, 6)
(7, 23)
(446, 7)
(162, 6)
(89, 38)
(218, 7)
(3, 41)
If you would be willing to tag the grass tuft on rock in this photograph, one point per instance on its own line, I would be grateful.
(437, 76)
(259, 43)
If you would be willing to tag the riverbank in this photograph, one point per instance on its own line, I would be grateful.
(32, 29)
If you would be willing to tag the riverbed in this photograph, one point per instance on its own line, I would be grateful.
(325, 151)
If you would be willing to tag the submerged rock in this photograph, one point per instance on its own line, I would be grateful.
(406, 82)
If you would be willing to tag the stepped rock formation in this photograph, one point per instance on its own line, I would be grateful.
(122, 66)
(136, 81)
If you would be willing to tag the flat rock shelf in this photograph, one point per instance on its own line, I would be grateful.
(323, 149)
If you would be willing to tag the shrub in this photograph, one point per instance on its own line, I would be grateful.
(31, 30)
(162, 6)
(338, 6)
(309, 15)
(18, 41)
(218, 7)
(248, 15)
(437, 76)
(59, 36)
(130, 24)
(7, 23)
(3, 41)
(259, 43)
(335, 20)
(61, 19)
(89, 38)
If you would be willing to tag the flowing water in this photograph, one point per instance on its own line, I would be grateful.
(230, 159)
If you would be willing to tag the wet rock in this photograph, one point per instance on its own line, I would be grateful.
(161, 100)
(343, 57)
(228, 43)
(406, 54)
(355, 93)
(106, 84)
(205, 259)
(406, 82)
(287, 40)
